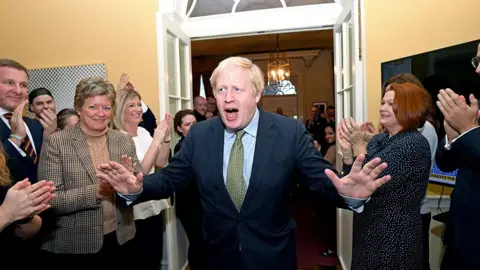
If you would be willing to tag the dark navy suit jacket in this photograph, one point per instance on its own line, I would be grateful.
(260, 236)
(22, 167)
(464, 220)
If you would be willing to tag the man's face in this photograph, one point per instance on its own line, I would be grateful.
(201, 105)
(314, 112)
(13, 87)
(331, 113)
(40, 103)
(211, 104)
(236, 98)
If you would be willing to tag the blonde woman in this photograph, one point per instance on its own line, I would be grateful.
(151, 152)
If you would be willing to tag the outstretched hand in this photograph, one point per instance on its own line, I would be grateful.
(361, 182)
(121, 179)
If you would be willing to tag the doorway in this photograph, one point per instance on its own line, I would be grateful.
(311, 81)
(174, 17)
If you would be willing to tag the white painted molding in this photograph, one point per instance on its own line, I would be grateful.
(318, 16)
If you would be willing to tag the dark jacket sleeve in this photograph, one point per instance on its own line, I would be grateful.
(311, 167)
(468, 147)
(448, 160)
(173, 177)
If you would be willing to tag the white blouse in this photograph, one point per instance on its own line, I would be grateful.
(142, 141)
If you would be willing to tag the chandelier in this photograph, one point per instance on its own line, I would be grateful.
(278, 67)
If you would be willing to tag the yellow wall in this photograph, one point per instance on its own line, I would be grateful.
(399, 28)
(119, 33)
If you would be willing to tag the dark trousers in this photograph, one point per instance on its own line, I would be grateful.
(326, 219)
(111, 256)
(148, 243)
(452, 260)
(426, 219)
(193, 229)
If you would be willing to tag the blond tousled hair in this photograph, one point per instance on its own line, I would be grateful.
(123, 97)
(254, 72)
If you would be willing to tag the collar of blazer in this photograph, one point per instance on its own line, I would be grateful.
(79, 140)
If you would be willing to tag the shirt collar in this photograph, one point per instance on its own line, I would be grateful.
(3, 111)
(250, 129)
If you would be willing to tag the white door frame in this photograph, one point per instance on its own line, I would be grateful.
(349, 97)
(176, 254)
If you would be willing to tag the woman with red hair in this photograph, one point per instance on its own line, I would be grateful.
(387, 234)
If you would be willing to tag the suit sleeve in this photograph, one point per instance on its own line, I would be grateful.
(449, 160)
(11, 150)
(173, 177)
(469, 147)
(66, 200)
(311, 167)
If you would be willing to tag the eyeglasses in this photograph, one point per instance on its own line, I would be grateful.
(475, 61)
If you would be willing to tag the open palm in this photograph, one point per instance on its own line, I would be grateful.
(361, 182)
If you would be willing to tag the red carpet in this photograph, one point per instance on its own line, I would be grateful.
(310, 239)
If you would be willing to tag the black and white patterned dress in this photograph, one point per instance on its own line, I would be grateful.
(388, 233)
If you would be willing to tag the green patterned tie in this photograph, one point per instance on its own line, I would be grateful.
(236, 185)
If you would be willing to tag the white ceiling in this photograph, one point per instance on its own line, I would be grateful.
(213, 7)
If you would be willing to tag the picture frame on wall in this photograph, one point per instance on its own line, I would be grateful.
(322, 106)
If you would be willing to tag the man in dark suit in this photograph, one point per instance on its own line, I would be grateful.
(461, 150)
(244, 163)
(21, 136)
(22, 140)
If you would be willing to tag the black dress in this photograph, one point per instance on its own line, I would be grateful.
(388, 233)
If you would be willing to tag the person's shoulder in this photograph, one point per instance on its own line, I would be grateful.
(32, 122)
(142, 132)
(204, 125)
(118, 134)
(414, 140)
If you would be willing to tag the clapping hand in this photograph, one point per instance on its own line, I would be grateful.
(16, 122)
(361, 182)
(369, 130)
(25, 199)
(162, 132)
(459, 116)
(352, 132)
(125, 83)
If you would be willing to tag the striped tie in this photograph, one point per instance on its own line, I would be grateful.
(236, 185)
(26, 144)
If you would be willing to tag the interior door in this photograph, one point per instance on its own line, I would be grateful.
(174, 61)
(349, 99)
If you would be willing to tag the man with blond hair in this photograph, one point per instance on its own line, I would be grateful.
(243, 163)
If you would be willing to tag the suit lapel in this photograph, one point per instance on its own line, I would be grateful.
(263, 149)
(4, 130)
(81, 146)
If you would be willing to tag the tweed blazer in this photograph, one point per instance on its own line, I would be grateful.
(66, 160)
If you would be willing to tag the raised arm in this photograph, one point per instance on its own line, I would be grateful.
(311, 167)
(155, 186)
